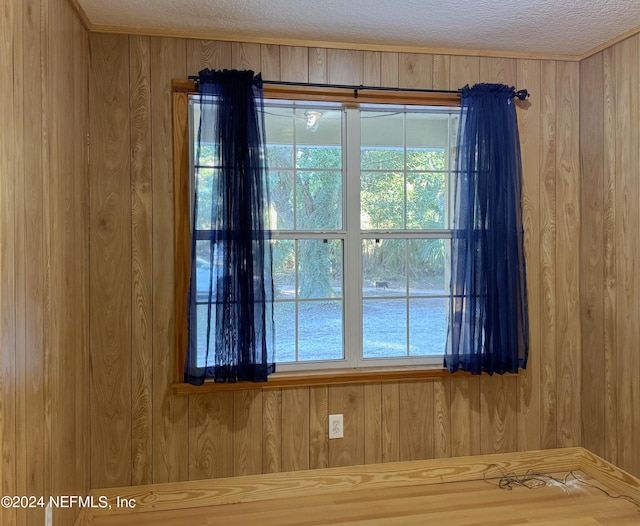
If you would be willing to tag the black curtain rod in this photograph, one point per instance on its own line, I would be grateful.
(521, 94)
(196, 79)
(360, 87)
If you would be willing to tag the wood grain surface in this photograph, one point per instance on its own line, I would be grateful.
(609, 265)
(418, 418)
(111, 265)
(577, 490)
(44, 256)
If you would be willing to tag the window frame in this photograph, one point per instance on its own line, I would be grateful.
(181, 89)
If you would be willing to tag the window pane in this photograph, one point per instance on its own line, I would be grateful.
(384, 264)
(207, 156)
(284, 269)
(318, 137)
(426, 200)
(284, 314)
(429, 267)
(281, 193)
(427, 326)
(382, 140)
(278, 131)
(320, 330)
(381, 200)
(201, 322)
(381, 158)
(318, 200)
(206, 275)
(427, 130)
(384, 330)
(423, 159)
(322, 156)
(207, 188)
(320, 268)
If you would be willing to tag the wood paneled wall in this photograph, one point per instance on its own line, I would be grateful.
(141, 432)
(44, 241)
(610, 250)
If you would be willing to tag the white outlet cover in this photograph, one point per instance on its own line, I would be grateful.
(336, 426)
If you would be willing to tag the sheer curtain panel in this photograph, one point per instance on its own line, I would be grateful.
(230, 310)
(488, 315)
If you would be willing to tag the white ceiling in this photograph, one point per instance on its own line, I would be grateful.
(540, 27)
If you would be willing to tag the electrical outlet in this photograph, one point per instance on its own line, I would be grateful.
(336, 426)
(48, 515)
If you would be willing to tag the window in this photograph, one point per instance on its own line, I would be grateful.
(361, 232)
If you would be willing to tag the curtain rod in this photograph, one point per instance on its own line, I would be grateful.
(354, 88)
(521, 94)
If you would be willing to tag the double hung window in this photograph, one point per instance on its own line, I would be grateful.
(361, 231)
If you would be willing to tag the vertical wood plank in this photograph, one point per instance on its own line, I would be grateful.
(345, 66)
(373, 423)
(416, 420)
(66, 191)
(246, 56)
(272, 431)
(317, 65)
(390, 422)
(609, 248)
(442, 418)
(67, 194)
(294, 64)
(463, 70)
(502, 70)
(270, 62)
(371, 68)
(318, 427)
(18, 300)
(110, 289)
(441, 73)
(634, 357)
(389, 73)
(210, 54)
(347, 400)
(626, 242)
(295, 429)
(465, 417)
(80, 356)
(211, 450)
(591, 253)
(568, 255)
(7, 270)
(47, 128)
(528, 411)
(497, 414)
(247, 432)
(170, 412)
(20, 286)
(548, 380)
(141, 262)
(36, 263)
(415, 70)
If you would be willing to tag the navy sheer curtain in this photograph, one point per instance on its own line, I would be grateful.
(230, 311)
(488, 318)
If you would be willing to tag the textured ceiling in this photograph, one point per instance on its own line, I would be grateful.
(545, 27)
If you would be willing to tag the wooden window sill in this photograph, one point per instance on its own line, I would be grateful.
(332, 377)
